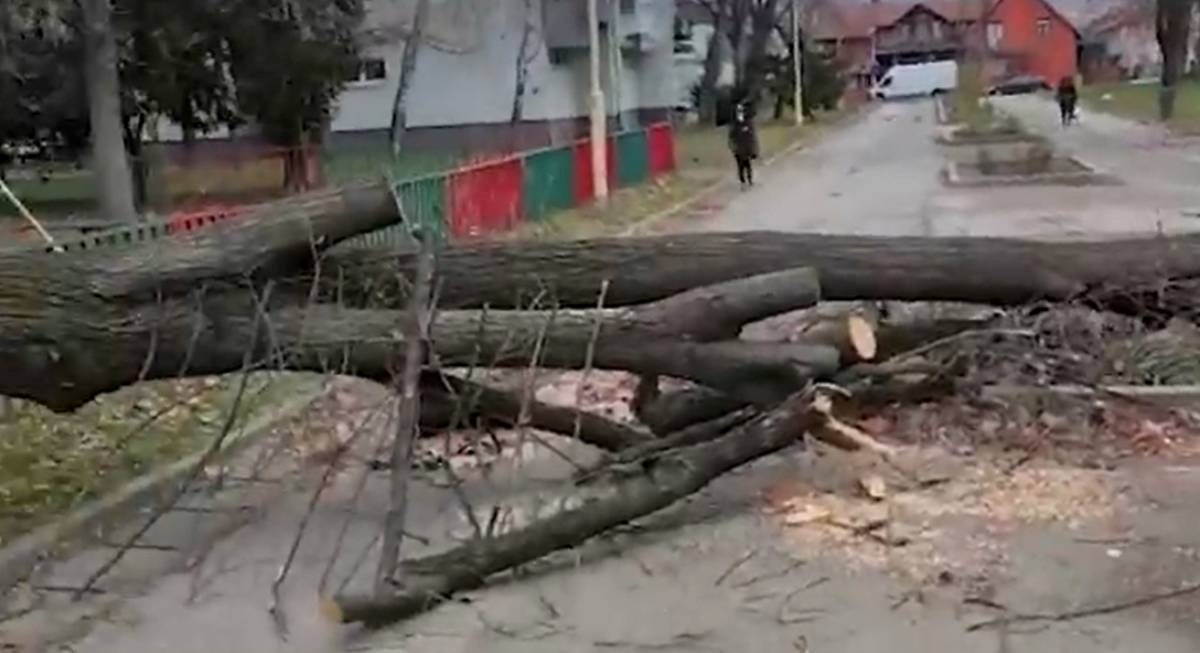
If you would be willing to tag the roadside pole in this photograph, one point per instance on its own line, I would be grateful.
(12, 197)
(797, 63)
(599, 116)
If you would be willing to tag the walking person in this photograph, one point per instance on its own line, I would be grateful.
(743, 142)
(1067, 97)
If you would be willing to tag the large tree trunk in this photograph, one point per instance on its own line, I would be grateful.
(110, 163)
(64, 358)
(763, 20)
(1172, 26)
(713, 59)
(71, 328)
(981, 270)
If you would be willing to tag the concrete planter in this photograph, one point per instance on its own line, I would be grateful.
(998, 149)
(1057, 170)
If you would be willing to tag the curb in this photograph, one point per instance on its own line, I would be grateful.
(21, 558)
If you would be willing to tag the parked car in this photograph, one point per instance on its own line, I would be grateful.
(1019, 85)
(911, 80)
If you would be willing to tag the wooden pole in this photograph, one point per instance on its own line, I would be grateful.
(599, 118)
(26, 214)
(797, 63)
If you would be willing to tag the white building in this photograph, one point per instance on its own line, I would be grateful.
(461, 96)
(463, 88)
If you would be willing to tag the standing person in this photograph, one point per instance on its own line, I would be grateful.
(1067, 97)
(743, 142)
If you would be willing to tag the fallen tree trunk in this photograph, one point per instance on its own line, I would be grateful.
(63, 346)
(692, 435)
(671, 412)
(673, 476)
(678, 410)
(272, 240)
(981, 270)
(456, 402)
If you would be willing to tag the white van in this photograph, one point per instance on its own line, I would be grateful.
(909, 80)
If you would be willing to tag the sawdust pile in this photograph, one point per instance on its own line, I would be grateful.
(931, 513)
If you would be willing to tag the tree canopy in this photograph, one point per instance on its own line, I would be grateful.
(202, 64)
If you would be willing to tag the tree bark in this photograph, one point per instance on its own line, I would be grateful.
(63, 358)
(764, 17)
(408, 66)
(62, 321)
(110, 163)
(522, 67)
(692, 435)
(1172, 27)
(408, 417)
(463, 401)
(625, 498)
(272, 241)
(679, 410)
(995, 271)
(707, 99)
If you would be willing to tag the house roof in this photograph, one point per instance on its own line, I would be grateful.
(831, 19)
(1054, 12)
(1118, 17)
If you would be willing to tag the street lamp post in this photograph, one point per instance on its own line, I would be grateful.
(598, 115)
(797, 63)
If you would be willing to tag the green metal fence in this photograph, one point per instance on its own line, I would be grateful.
(549, 179)
(633, 158)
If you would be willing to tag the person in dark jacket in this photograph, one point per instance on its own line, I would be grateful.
(743, 142)
(1067, 97)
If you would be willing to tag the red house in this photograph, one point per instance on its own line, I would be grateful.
(1030, 37)
(1018, 37)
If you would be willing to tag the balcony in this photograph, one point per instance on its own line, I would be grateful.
(642, 25)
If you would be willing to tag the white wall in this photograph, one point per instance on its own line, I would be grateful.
(466, 72)
(477, 85)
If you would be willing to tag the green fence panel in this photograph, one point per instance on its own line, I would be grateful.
(549, 182)
(633, 158)
(346, 166)
(424, 203)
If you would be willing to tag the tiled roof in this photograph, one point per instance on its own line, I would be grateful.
(831, 20)
(1118, 17)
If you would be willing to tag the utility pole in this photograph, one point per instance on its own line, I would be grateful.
(598, 114)
(797, 63)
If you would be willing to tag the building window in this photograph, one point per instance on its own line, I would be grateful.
(1043, 26)
(367, 70)
(995, 34)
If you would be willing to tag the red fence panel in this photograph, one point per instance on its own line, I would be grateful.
(661, 140)
(584, 191)
(486, 198)
(192, 220)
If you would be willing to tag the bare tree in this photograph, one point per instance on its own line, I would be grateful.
(408, 65)
(747, 25)
(524, 56)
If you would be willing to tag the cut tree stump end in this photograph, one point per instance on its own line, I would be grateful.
(331, 611)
